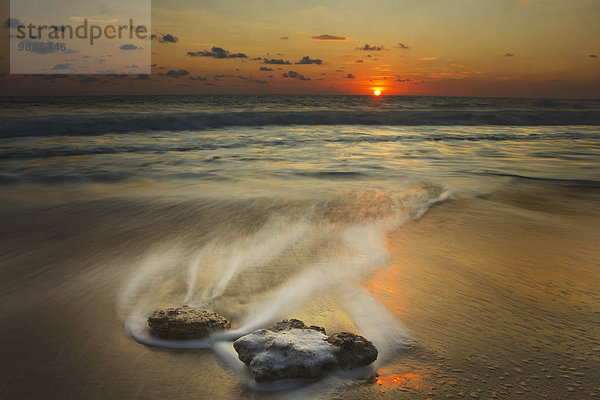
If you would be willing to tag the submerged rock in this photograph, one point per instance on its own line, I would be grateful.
(186, 322)
(292, 350)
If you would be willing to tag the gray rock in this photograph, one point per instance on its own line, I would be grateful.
(292, 350)
(186, 323)
(290, 354)
(352, 350)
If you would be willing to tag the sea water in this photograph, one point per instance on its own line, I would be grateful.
(421, 223)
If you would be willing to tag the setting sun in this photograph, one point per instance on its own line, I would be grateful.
(377, 92)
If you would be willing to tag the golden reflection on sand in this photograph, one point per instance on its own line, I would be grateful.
(409, 380)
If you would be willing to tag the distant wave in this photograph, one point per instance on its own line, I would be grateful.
(76, 125)
(575, 182)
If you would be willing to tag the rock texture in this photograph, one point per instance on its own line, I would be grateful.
(186, 323)
(293, 323)
(294, 353)
(352, 350)
(292, 350)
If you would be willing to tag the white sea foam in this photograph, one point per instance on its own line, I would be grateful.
(260, 249)
(354, 250)
(374, 321)
(154, 264)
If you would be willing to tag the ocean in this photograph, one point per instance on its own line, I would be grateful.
(459, 235)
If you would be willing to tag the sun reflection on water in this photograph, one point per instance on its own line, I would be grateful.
(409, 380)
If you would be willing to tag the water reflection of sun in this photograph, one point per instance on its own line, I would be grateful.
(408, 380)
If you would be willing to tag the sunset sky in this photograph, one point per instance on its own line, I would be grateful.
(534, 48)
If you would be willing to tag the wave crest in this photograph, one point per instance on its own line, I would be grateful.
(82, 125)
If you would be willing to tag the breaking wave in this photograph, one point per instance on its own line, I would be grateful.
(97, 124)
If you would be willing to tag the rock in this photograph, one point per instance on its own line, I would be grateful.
(292, 350)
(352, 350)
(372, 378)
(290, 354)
(293, 323)
(186, 323)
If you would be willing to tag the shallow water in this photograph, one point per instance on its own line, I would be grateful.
(467, 254)
(483, 295)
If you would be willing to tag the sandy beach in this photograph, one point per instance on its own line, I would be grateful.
(300, 200)
(498, 293)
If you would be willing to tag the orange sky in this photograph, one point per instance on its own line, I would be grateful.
(534, 48)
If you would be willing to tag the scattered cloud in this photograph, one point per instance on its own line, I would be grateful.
(308, 60)
(216, 52)
(164, 38)
(398, 79)
(402, 46)
(129, 46)
(197, 78)
(284, 38)
(329, 37)
(218, 77)
(593, 56)
(177, 73)
(295, 75)
(252, 80)
(277, 61)
(62, 66)
(265, 69)
(508, 55)
(12, 23)
(359, 61)
(368, 47)
(350, 76)
(508, 78)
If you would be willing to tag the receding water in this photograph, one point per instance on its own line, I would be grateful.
(466, 252)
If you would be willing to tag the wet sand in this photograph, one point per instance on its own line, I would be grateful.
(500, 294)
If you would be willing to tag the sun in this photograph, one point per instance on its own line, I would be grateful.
(377, 92)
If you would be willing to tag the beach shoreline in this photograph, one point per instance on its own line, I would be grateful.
(497, 292)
